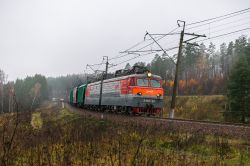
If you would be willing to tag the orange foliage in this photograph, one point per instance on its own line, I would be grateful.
(170, 83)
(193, 83)
(198, 85)
(182, 84)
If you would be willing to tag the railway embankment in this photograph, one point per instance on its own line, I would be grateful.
(177, 125)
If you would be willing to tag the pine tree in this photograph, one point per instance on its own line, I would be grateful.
(223, 58)
(229, 59)
(128, 66)
(239, 88)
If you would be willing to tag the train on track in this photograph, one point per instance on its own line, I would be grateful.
(134, 91)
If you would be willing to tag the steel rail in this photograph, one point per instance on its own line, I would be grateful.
(170, 119)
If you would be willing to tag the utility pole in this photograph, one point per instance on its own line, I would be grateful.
(107, 64)
(100, 98)
(175, 88)
(171, 114)
(103, 77)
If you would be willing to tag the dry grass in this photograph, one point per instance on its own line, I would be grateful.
(36, 120)
(198, 107)
(67, 138)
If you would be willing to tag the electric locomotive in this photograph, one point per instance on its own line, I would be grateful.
(135, 91)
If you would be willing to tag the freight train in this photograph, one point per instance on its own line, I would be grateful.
(134, 91)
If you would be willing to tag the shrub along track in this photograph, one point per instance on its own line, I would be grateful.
(238, 131)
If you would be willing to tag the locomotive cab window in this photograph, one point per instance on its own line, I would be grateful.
(155, 83)
(132, 81)
(142, 82)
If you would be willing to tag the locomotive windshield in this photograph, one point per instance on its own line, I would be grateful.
(155, 83)
(147, 82)
(142, 82)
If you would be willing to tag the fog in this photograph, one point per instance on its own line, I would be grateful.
(58, 37)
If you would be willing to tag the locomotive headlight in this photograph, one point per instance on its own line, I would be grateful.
(139, 93)
(149, 74)
(158, 95)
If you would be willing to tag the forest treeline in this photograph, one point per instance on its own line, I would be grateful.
(205, 70)
(28, 93)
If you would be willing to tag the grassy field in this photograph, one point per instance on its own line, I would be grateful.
(55, 136)
(198, 107)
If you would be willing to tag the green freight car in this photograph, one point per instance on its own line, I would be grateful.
(71, 97)
(81, 95)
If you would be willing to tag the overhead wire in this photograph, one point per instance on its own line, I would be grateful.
(140, 55)
(92, 65)
(161, 37)
(225, 34)
(135, 57)
(137, 44)
(214, 27)
(237, 12)
(230, 27)
(215, 21)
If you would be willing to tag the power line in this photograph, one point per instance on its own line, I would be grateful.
(161, 37)
(137, 44)
(117, 57)
(97, 64)
(229, 27)
(247, 9)
(92, 65)
(224, 34)
(164, 51)
(158, 39)
(140, 55)
(132, 52)
(215, 21)
(246, 23)
(89, 66)
(135, 57)
(214, 27)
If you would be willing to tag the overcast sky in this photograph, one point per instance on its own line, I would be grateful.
(59, 37)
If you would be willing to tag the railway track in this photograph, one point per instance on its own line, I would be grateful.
(233, 130)
(204, 122)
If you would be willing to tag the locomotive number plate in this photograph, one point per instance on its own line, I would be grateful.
(148, 101)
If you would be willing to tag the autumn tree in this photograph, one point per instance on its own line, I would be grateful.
(31, 91)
